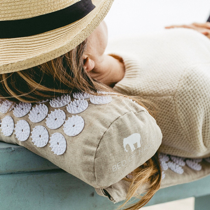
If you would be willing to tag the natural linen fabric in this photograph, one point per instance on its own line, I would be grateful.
(117, 136)
(171, 69)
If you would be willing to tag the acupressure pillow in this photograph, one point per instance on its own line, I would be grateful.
(98, 139)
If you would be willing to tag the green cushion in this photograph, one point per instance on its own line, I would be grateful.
(17, 159)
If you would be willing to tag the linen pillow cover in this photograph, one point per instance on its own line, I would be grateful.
(99, 139)
(175, 170)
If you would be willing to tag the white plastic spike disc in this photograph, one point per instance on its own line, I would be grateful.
(6, 106)
(58, 143)
(22, 109)
(100, 99)
(77, 106)
(81, 95)
(7, 126)
(178, 160)
(55, 119)
(60, 101)
(22, 130)
(38, 113)
(74, 125)
(44, 101)
(176, 168)
(193, 164)
(163, 157)
(40, 136)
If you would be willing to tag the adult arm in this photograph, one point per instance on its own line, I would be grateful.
(203, 28)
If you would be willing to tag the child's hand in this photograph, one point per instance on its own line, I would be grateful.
(203, 28)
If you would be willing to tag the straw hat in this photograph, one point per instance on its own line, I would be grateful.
(36, 31)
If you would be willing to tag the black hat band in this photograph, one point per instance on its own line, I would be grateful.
(47, 22)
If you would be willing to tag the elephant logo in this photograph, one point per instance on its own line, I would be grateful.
(131, 141)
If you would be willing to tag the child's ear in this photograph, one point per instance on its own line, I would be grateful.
(89, 64)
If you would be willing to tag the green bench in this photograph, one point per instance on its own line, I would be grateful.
(29, 182)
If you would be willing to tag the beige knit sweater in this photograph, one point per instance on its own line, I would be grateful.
(172, 69)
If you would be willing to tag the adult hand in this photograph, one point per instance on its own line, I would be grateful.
(203, 28)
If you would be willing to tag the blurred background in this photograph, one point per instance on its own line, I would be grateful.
(129, 17)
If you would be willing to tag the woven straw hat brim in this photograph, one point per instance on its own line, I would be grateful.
(22, 53)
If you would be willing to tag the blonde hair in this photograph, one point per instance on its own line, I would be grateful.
(149, 174)
(66, 74)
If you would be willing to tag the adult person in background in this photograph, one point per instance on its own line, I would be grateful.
(48, 60)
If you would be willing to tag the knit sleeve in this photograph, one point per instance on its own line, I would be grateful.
(193, 111)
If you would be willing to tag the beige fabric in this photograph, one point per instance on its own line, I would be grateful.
(108, 147)
(118, 191)
(115, 191)
(172, 69)
(25, 52)
(189, 175)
